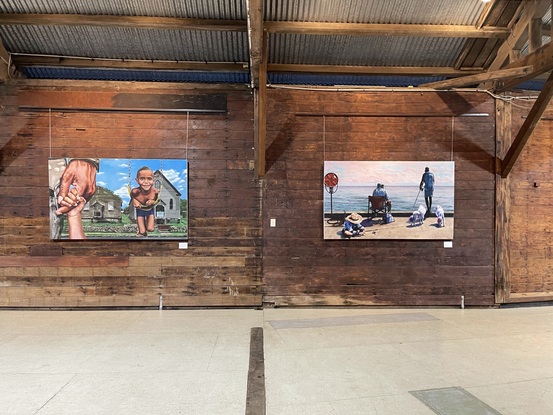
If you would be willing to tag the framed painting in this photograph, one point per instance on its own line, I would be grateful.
(389, 200)
(109, 198)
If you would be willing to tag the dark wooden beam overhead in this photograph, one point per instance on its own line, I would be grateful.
(541, 60)
(143, 22)
(519, 31)
(316, 28)
(475, 79)
(25, 60)
(528, 127)
(362, 29)
(373, 70)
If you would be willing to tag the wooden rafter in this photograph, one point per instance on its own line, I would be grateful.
(29, 60)
(144, 22)
(372, 70)
(541, 60)
(475, 79)
(316, 28)
(519, 32)
(361, 29)
(25, 60)
(527, 127)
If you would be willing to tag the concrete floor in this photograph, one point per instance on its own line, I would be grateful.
(317, 361)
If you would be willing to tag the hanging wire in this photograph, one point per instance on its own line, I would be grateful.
(50, 129)
(452, 128)
(186, 151)
(324, 138)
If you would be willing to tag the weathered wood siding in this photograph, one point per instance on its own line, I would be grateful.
(301, 268)
(530, 225)
(222, 265)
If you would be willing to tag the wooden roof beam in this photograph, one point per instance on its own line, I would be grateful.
(362, 29)
(475, 79)
(74, 62)
(143, 22)
(373, 70)
(313, 28)
(531, 9)
(527, 127)
(541, 60)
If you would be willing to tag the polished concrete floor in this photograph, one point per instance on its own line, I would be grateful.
(316, 361)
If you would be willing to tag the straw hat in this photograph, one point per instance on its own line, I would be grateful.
(354, 217)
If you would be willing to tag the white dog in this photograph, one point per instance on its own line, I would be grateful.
(439, 211)
(417, 218)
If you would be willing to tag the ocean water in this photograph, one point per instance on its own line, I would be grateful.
(404, 198)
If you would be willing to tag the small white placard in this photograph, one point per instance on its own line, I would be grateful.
(273, 223)
(183, 245)
(448, 244)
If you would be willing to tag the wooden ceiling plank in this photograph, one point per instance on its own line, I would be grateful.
(408, 30)
(528, 127)
(475, 79)
(143, 22)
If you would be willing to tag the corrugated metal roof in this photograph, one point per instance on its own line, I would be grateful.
(464, 12)
(127, 43)
(340, 51)
(37, 72)
(354, 80)
(357, 50)
(206, 9)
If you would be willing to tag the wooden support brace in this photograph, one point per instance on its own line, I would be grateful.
(528, 127)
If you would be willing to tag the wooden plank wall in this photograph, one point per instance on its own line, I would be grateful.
(221, 267)
(530, 226)
(301, 268)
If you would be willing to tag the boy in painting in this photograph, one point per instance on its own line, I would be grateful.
(352, 225)
(144, 198)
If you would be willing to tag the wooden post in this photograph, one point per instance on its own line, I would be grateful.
(502, 205)
(262, 115)
(4, 64)
(258, 74)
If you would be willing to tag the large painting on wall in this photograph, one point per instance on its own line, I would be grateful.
(109, 198)
(388, 200)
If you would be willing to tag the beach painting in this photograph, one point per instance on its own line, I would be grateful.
(112, 198)
(388, 200)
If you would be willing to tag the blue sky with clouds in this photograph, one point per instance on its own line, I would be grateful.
(114, 174)
(391, 173)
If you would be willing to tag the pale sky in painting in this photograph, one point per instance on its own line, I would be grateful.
(391, 173)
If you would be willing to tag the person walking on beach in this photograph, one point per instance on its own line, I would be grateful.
(427, 184)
